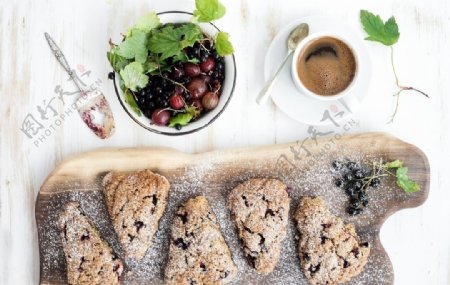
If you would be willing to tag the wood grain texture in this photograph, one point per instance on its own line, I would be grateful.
(83, 173)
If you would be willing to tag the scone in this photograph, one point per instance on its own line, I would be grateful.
(260, 209)
(198, 253)
(135, 202)
(90, 260)
(330, 251)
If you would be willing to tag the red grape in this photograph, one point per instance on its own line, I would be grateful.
(161, 117)
(207, 65)
(191, 70)
(197, 87)
(210, 100)
(176, 102)
(205, 78)
(178, 89)
(178, 73)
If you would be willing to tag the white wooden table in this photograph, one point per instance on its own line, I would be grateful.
(418, 240)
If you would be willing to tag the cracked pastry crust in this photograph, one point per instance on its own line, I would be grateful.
(90, 260)
(330, 251)
(135, 202)
(260, 209)
(198, 253)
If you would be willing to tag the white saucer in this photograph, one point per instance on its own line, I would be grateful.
(303, 108)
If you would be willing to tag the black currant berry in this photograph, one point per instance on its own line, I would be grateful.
(339, 183)
(348, 177)
(350, 190)
(219, 66)
(359, 174)
(337, 165)
(375, 182)
(352, 165)
(354, 211)
(358, 185)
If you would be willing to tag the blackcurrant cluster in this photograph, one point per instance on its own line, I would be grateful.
(187, 83)
(355, 179)
(156, 95)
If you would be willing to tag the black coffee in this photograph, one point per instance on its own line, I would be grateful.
(326, 66)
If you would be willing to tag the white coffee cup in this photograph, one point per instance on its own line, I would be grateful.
(294, 72)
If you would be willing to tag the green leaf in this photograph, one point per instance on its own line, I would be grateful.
(165, 41)
(189, 33)
(404, 182)
(193, 60)
(129, 99)
(133, 76)
(134, 46)
(163, 67)
(181, 118)
(150, 67)
(182, 57)
(184, 118)
(394, 164)
(223, 45)
(117, 62)
(386, 33)
(145, 23)
(208, 10)
(193, 111)
(170, 41)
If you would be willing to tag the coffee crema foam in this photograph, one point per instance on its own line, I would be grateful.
(326, 66)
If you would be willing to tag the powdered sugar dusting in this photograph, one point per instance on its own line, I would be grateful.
(214, 180)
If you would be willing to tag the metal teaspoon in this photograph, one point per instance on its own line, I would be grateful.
(295, 37)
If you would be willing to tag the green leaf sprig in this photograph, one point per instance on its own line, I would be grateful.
(133, 76)
(208, 10)
(170, 41)
(150, 48)
(211, 10)
(386, 33)
(184, 118)
(396, 169)
(130, 100)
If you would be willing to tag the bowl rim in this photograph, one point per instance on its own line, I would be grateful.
(123, 104)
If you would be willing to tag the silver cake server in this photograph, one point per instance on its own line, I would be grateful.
(91, 104)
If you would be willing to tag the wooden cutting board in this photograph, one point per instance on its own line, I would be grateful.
(305, 166)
